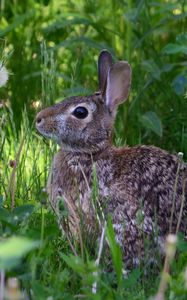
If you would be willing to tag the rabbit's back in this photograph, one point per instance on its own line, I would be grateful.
(138, 180)
(139, 187)
(149, 179)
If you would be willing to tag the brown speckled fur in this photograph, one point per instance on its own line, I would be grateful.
(136, 185)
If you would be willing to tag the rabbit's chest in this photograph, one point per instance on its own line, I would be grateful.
(71, 181)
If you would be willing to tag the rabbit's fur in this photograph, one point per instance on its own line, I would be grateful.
(137, 186)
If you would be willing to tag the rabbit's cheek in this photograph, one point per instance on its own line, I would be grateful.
(75, 126)
(59, 124)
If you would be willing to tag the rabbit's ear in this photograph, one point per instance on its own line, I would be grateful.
(104, 64)
(118, 84)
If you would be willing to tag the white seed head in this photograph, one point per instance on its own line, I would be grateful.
(180, 155)
(171, 243)
(3, 75)
(171, 239)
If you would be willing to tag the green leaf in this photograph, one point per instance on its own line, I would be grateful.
(132, 278)
(115, 250)
(75, 263)
(39, 289)
(152, 68)
(151, 121)
(179, 84)
(6, 219)
(18, 20)
(84, 269)
(182, 243)
(182, 38)
(12, 249)
(76, 91)
(89, 42)
(4, 215)
(22, 212)
(174, 48)
(62, 23)
(1, 201)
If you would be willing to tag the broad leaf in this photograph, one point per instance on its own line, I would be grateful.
(14, 248)
(179, 84)
(174, 48)
(152, 68)
(151, 121)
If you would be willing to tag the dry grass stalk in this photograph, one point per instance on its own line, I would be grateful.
(182, 203)
(180, 156)
(94, 286)
(12, 182)
(65, 229)
(171, 242)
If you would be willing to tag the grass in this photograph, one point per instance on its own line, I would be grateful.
(32, 248)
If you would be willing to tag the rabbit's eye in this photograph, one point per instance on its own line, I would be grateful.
(80, 112)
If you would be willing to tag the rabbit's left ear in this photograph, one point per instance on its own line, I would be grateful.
(104, 64)
(118, 85)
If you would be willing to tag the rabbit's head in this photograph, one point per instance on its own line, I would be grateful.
(85, 123)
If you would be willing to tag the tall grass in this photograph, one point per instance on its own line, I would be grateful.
(50, 49)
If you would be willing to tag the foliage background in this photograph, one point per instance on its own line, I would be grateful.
(50, 48)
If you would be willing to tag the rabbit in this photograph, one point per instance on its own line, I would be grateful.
(143, 188)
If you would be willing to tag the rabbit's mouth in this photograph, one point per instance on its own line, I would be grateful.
(45, 130)
(49, 135)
